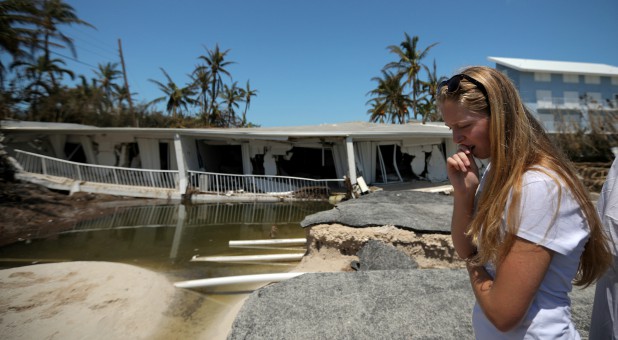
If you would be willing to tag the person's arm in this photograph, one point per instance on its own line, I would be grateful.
(463, 175)
(463, 212)
(506, 298)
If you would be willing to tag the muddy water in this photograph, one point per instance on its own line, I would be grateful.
(164, 238)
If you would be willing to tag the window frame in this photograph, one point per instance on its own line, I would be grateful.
(570, 78)
(592, 79)
(544, 77)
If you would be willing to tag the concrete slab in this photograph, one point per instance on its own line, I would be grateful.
(400, 304)
(418, 211)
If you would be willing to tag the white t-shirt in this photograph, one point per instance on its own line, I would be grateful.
(604, 322)
(607, 206)
(561, 228)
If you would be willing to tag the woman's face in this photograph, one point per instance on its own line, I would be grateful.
(470, 129)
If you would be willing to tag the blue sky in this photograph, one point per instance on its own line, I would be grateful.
(312, 61)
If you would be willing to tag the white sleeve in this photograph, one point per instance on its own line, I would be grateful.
(608, 206)
(558, 225)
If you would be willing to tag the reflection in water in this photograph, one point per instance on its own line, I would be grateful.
(165, 237)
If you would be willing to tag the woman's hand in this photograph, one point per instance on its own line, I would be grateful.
(463, 172)
(464, 176)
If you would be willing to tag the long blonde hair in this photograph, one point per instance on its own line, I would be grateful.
(518, 143)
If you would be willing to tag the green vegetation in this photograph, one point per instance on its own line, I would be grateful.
(403, 89)
(33, 79)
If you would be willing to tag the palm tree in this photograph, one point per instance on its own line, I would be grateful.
(377, 112)
(390, 95)
(215, 64)
(201, 81)
(122, 94)
(107, 73)
(410, 64)
(15, 17)
(216, 116)
(36, 71)
(40, 85)
(231, 95)
(175, 96)
(90, 98)
(53, 13)
(247, 93)
(431, 87)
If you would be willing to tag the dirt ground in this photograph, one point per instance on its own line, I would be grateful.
(31, 211)
(333, 247)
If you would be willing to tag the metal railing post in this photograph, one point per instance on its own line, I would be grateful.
(79, 173)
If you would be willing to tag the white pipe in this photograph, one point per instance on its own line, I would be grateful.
(290, 241)
(284, 247)
(249, 258)
(218, 281)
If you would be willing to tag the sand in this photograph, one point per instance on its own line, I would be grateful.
(82, 300)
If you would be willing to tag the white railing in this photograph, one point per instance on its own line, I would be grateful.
(45, 165)
(205, 182)
(210, 182)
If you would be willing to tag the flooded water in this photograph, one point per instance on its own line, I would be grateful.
(164, 238)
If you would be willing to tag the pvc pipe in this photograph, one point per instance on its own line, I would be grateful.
(249, 258)
(219, 281)
(284, 247)
(290, 241)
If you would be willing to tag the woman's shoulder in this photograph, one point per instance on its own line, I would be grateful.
(547, 183)
(541, 175)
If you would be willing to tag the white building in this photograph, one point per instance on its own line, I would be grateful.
(564, 94)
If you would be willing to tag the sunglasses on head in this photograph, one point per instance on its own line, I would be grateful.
(453, 85)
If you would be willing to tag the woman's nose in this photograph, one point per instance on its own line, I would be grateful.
(457, 137)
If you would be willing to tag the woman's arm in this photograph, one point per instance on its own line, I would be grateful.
(463, 212)
(505, 300)
(463, 175)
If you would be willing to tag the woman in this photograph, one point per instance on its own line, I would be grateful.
(604, 322)
(528, 228)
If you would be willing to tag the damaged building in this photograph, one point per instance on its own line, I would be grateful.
(379, 153)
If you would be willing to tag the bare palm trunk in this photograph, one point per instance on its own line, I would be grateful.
(213, 97)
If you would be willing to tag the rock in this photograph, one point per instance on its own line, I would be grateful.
(377, 255)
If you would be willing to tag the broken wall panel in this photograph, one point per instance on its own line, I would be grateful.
(306, 162)
(366, 160)
(436, 165)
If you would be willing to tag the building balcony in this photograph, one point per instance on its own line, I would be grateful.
(561, 103)
(558, 103)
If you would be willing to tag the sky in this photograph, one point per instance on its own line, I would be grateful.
(312, 61)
